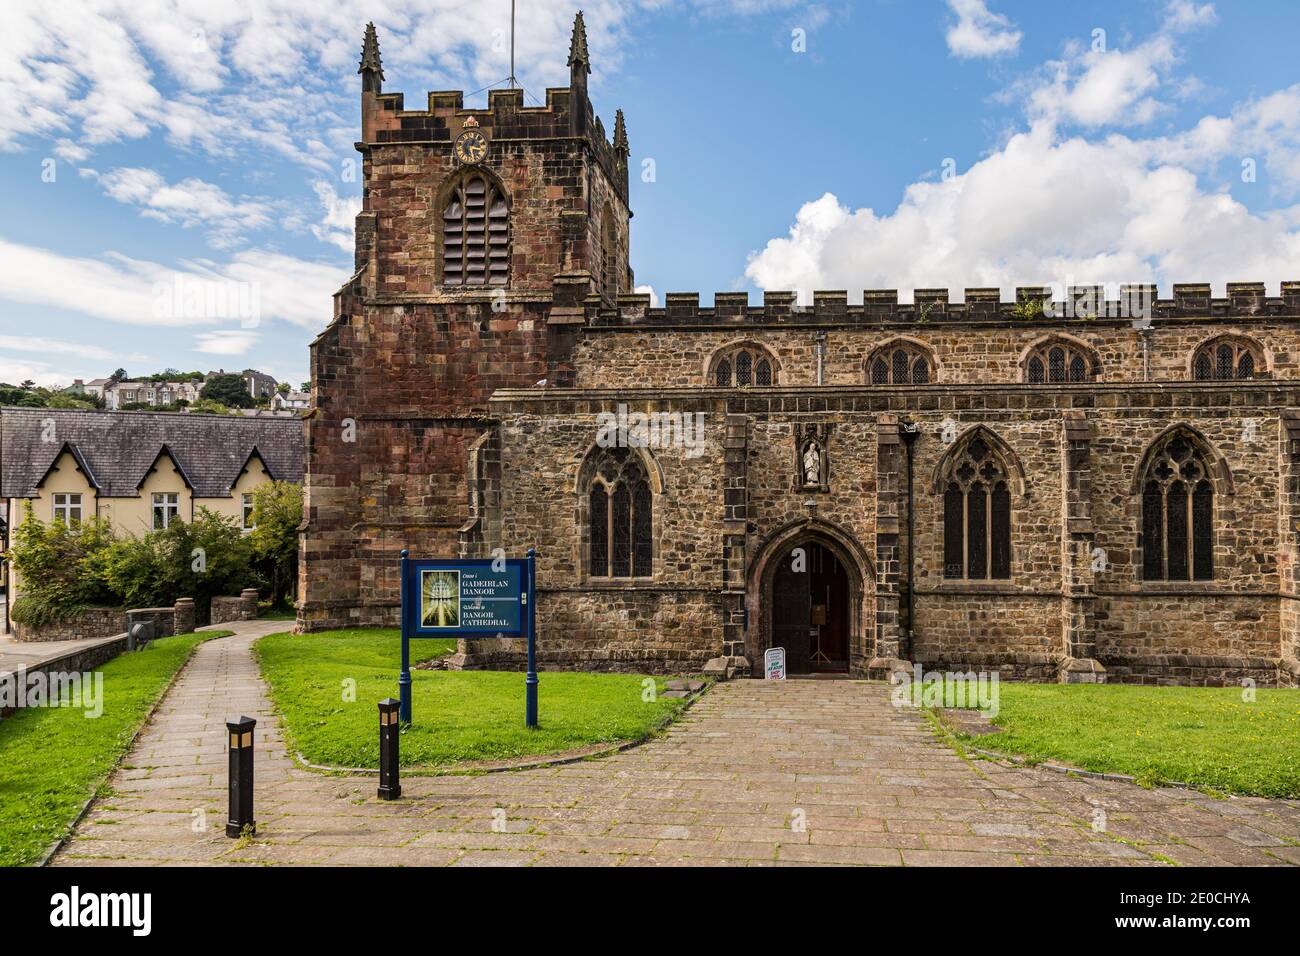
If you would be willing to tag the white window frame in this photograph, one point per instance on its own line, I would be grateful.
(247, 513)
(68, 507)
(170, 503)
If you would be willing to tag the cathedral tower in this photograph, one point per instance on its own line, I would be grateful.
(484, 238)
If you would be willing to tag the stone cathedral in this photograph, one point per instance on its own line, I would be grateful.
(1092, 485)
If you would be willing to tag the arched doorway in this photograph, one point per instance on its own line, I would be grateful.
(810, 592)
(810, 611)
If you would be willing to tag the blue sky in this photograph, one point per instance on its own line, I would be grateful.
(155, 145)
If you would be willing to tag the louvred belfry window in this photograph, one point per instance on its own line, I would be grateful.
(743, 366)
(620, 512)
(476, 234)
(1227, 358)
(1057, 363)
(899, 365)
(1178, 512)
(976, 514)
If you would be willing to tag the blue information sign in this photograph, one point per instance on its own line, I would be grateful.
(470, 598)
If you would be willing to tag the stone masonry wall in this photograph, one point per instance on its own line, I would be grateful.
(1222, 630)
(963, 352)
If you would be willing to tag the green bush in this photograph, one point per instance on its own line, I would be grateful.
(61, 568)
(65, 570)
(201, 559)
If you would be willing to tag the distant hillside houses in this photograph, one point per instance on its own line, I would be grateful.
(165, 394)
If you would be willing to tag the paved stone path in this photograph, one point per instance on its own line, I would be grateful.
(758, 773)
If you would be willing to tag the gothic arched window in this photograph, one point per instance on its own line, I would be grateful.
(900, 363)
(976, 513)
(620, 514)
(1178, 511)
(1228, 357)
(742, 366)
(476, 234)
(1058, 361)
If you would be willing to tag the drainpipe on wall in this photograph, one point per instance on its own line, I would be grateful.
(821, 357)
(910, 432)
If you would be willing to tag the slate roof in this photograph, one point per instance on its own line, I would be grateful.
(119, 448)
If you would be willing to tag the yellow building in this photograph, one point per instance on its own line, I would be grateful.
(139, 470)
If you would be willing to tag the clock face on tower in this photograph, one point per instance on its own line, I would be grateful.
(471, 146)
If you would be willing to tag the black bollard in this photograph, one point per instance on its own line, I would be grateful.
(390, 786)
(241, 777)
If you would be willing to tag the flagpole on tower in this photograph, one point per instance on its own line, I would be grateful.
(512, 44)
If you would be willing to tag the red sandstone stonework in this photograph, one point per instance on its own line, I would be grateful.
(458, 422)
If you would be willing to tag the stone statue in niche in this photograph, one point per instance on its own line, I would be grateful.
(812, 465)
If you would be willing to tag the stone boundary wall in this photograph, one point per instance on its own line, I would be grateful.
(227, 609)
(86, 659)
(92, 623)
(107, 622)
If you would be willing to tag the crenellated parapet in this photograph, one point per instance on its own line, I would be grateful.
(568, 112)
(1137, 303)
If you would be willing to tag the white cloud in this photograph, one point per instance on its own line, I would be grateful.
(650, 291)
(339, 220)
(29, 343)
(1053, 208)
(1097, 86)
(261, 73)
(188, 203)
(14, 371)
(227, 342)
(979, 32)
(1042, 210)
(120, 289)
(72, 152)
(1183, 15)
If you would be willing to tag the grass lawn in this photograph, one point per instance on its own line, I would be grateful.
(52, 759)
(458, 715)
(1204, 736)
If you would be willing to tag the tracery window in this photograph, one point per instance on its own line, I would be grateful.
(621, 517)
(1227, 358)
(1178, 512)
(899, 364)
(976, 513)
(476, 234)
(1058, 361)
(743, 365)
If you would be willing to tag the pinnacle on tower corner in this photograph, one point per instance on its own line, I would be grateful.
(620, 133)
(370, 62)
(578, 44)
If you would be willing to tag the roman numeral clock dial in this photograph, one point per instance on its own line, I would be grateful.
(471, 147)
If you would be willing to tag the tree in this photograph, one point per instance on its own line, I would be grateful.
(201, 559)
(64, 400)
(277, 513)
(227, 389)
(282, 388)
(206, 406)
(119, 376)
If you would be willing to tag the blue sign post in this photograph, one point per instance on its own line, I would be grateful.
(470, 598)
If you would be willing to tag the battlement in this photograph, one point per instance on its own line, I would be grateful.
(568, 112)
(1136, 303)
